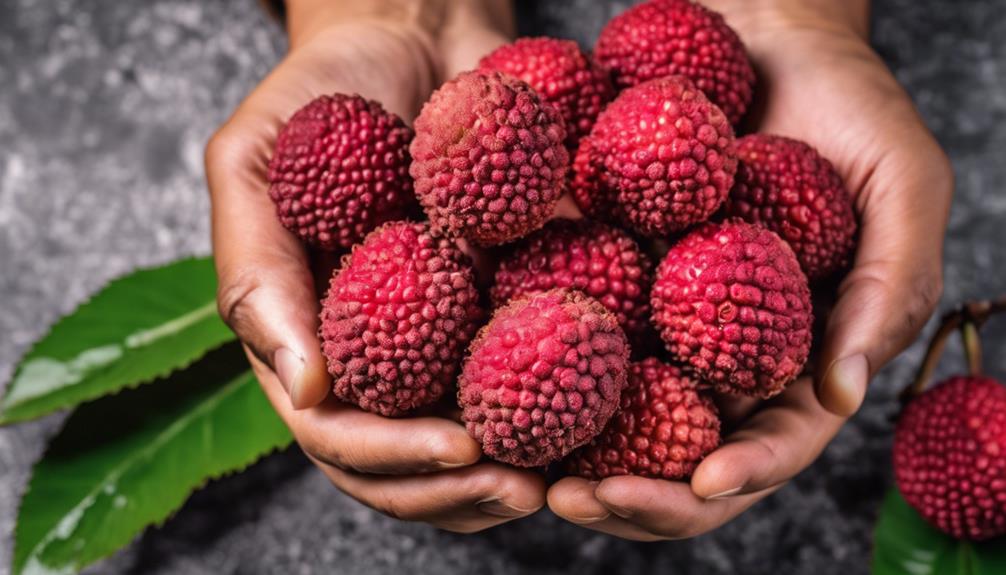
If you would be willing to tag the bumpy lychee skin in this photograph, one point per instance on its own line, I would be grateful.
(950, 457)
(339, 169)
(663, 428)
(599, 260)
(731, 301)
(562, 74)
(488, 158)
(588, 185)
(787, 187)
(669, 153)
(678, 37)
(543, 377)
(397, 318)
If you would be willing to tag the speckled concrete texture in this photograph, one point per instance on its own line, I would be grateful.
(104, 111)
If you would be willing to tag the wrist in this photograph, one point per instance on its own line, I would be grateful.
(754, 18)
(306, 18)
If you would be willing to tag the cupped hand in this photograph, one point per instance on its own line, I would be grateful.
(423, 468)
(820, 82)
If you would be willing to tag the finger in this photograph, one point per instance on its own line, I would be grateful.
(896, 280)
(343, 436)
(266, 292)
(771, 447)
(463, 500)
(642, 509)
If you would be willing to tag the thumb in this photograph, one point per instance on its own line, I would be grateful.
(889, 294)
(266, 289)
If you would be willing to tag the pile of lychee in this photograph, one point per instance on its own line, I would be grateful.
(561, 358)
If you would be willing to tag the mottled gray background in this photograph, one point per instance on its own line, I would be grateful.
(104, 111)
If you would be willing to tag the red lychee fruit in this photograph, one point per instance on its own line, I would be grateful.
(488, 158)
(787, 187)
(599, 260)
(731, 301)
(678, 37)
(950, 456)
(663, 428)
(340, 168)
(397, 318)
(543, 377)
(668, 152)
(587, 186)
(561, 74)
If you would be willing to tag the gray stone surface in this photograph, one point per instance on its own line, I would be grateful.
(104, 111)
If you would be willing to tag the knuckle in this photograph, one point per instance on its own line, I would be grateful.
(234, 299)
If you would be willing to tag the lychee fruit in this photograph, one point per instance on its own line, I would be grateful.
(561, 74)
(488, 158)
(543, 377)
(668, 152)
(397, 318)
(787, 187)
(731, 301)
(599, 260)
(950, 456)
(340, 168)
(665, 425)
(679, 37)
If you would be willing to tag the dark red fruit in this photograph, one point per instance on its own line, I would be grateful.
(663, 428)
(950, 457)
(678, 37)
(339, 169)
(397, 318)
(731, 301)
(543, 378)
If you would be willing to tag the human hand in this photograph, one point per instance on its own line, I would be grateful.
(424, 468)
(821, 83)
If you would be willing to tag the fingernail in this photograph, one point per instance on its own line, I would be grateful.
(589, 520)
(494, 506)
(450, 464)
(724, 494)
(620, 511)
(847, 378)
(289, 367)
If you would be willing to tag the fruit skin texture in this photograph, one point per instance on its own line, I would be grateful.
(397, 317)
(677, 37)
(562, 74)
(543, 377)
(340, 168)
(731, 301)
(488, 158)
(787, 187)
(950, 456)
(663, 428)
(599, 260)
(588, 185)
(668, 152)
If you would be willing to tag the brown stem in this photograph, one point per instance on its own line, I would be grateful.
(969, 317)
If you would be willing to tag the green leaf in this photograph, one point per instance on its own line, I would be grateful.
(139, 327)
(128, 461)
(905, 544)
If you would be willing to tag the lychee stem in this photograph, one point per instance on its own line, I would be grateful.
(969, 318)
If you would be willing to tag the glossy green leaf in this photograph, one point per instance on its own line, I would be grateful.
(139, 327)
(905, 544)
(128, 461)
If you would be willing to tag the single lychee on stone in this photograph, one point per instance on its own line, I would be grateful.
(786, 186)
(665, 425)
(543, 377)
(340, 168)
(561, 74)
(599, 260)
(489, 161)
(397, 318)
(950, 457)
(679, 37)
(668, 152)
(731, 301)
